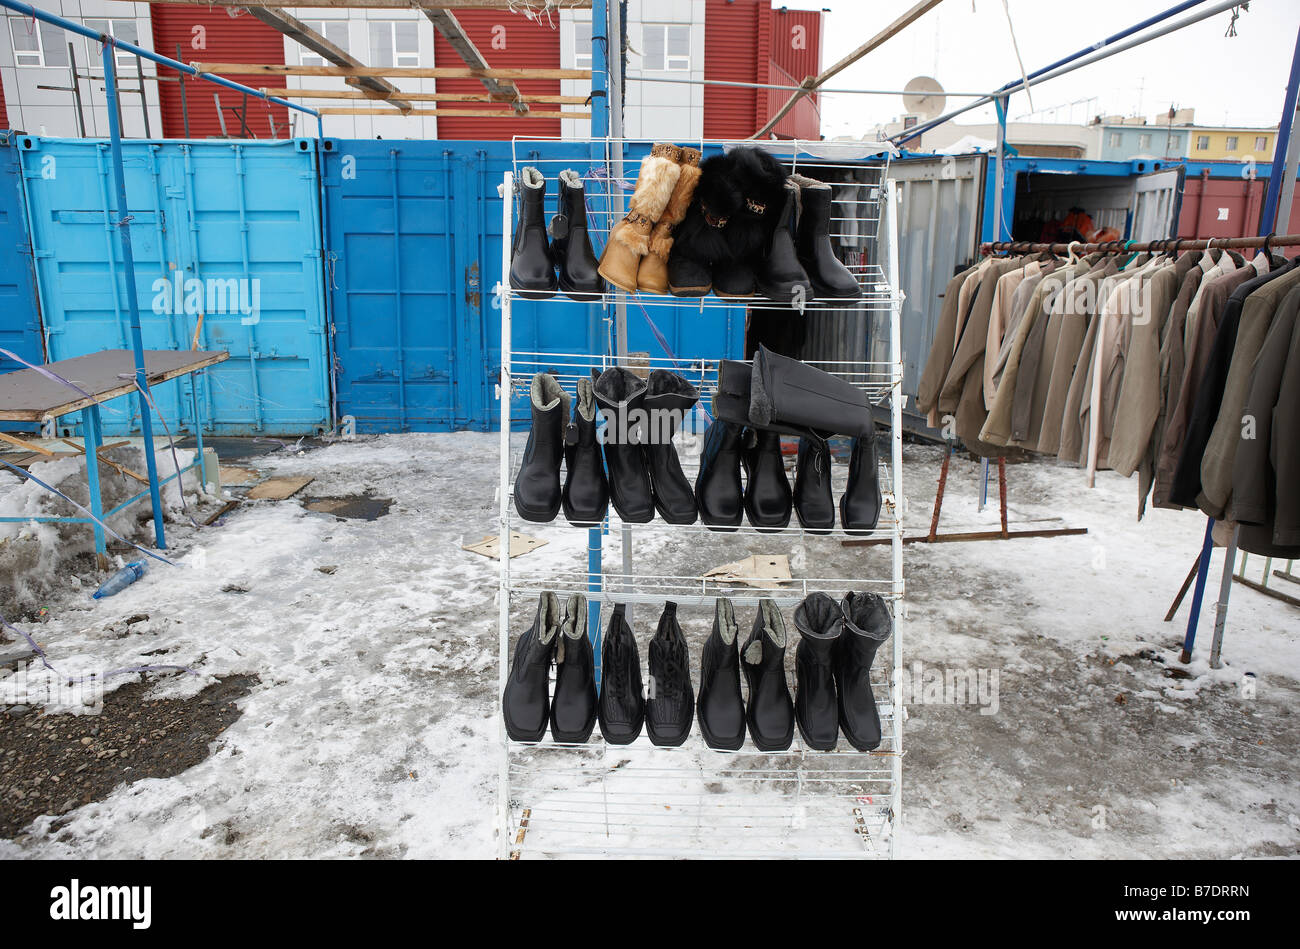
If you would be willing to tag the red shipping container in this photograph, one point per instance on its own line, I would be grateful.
(796, 54)
(1221, 207)
(213, 35)
(4, 115)
(737, 48)
(507, 41)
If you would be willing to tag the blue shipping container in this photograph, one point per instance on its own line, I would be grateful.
(226, 238)
(20, 322)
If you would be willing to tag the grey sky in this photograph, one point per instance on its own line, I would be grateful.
(966, 45)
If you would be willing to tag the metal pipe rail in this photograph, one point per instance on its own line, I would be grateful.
(1128, 247)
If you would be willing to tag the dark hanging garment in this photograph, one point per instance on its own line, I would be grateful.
(1209, 395)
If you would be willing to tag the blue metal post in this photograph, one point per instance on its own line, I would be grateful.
(1202, 571)
(123, 224)
(1278, 172)
(600, 105)
(93, 440)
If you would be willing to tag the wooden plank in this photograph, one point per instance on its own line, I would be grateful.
(477, 113)
(392, 72)
(505, 6)
(233, 475)
(29, 396)
(445, 22)
(285, 93)
(25, 445)
(305, 36)
(120, 469)
(968, 536)
(1275, 594)
(278, 489)
(520, 544)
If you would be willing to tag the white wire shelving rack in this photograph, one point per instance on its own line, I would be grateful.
(637, 800)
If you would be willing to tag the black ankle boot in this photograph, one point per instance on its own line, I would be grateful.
(671, 702)
(867, 624)
(586, 490)
(620, 393)
(622, 707)
(718, 490)
(532, 268)
(860, 505)
(573, 709)
(768, 499)
(525, 703)
(735, 278)
(820, 624)
(830, 278)
(669, 398)
(813, 501)
(688, 277)
(721, 708)
(571, 244)
(537, 486)
(780, 276)
(770, 713)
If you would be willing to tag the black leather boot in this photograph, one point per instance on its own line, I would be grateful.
(532, 268)
(860, 505)
(620, 394)
(573, 709)
(721, 708)
(537, 486)
(670, 704)
(830, 278)
(669, 398)
(734, 278)
(813, 501)
(525, 703)
(718, 490)
(571, 244)
(622, 707)
(770, 713)
(787, 393)
(780, 276)
(768, 499)
(688, 277)
(820, 624)
(867, 624)
(586, 490)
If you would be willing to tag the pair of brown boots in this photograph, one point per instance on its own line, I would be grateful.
(636, 255)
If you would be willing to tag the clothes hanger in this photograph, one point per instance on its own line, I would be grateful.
(1074, 255)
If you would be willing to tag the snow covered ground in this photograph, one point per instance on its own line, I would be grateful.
(373, 729)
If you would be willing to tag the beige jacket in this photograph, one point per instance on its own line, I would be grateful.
(941, 350)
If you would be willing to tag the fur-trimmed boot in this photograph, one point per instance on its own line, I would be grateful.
(571, 243)
(629, 240)
(537, 486)
(652, 275)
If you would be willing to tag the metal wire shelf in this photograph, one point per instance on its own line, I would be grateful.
(638, 800)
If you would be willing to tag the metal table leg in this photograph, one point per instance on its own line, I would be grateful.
(94, 438)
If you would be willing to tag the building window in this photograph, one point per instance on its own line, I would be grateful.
(123, 30)
(394, 43)
(581, 44)
(1144, 141)
(1231, 144)
(1115, 139)
(1202, 143)
(37, 44)
(910, 121)
(1261, 143)
(667, 47)
(336, 31)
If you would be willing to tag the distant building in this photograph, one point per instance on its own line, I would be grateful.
(1177, 135)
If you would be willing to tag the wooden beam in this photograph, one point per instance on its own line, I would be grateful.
(968, 536)
(445, 22)
(394, 72)
(810, 83)
(24, 444)
(476, 113)
(305, 36)
(505, 6)
(421, 96)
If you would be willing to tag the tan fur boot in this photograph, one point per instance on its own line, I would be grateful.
(629, 240)
(653, 272)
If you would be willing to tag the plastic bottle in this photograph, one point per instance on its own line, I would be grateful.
(121, 580)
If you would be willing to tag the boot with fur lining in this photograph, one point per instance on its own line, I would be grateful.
(629, 241)
(652, 276)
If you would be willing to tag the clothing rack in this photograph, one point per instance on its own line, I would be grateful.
(1173, 245)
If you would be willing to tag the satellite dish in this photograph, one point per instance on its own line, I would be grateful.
(923, 96)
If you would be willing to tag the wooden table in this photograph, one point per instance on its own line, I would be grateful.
(29, 395)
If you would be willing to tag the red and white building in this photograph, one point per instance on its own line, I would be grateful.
(744, 41)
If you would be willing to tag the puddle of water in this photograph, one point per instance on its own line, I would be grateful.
(357, 507)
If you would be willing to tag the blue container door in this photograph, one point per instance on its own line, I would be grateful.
(20, 326)
(227, 251)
